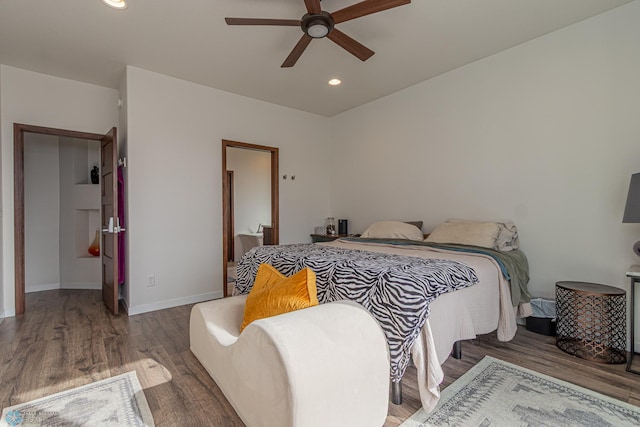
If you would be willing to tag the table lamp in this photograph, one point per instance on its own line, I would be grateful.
(632, 209)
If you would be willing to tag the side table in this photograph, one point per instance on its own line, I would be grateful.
(634, 274)
(315, 238)
(591, 321)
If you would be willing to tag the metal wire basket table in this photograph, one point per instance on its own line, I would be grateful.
(591, 321)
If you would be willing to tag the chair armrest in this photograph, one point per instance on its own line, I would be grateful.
(223, 317)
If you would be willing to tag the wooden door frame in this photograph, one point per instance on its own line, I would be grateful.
(231, 225)
(275, 209)
(19, 130)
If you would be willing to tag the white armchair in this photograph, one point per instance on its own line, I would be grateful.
(322, 366)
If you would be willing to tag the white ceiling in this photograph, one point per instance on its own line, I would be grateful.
(87, 41)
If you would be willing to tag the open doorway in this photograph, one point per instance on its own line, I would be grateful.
(249, 223)
(79, 218)
(61, 213)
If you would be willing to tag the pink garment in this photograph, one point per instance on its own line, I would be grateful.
(121, 254)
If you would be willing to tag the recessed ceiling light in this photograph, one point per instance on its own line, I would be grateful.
(116, 4)
(335, 82)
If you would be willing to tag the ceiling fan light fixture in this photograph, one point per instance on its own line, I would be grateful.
(317, 29)
(317, 26)
(116, 4)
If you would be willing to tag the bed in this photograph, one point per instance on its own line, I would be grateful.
(472, 293)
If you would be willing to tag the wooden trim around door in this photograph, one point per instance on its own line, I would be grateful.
(275, 208)
(230, 225)
(18, 196)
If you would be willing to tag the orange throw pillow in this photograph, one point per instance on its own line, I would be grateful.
(274, 293)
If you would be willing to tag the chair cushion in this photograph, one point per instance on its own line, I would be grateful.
(273, 293)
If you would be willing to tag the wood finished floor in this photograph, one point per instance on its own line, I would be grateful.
(67, 339)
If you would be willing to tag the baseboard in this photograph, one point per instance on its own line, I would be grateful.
(92, 286)
(43, 287)
(145, 308)
(1, 316)
(125, 305)
(52, 286)
(161, 305)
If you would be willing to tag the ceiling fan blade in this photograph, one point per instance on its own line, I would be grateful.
(313, 6)
(297, 51)
(263, 21)
(366, 7)
(350, 45)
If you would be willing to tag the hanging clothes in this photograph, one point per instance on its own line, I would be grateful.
(121, 245)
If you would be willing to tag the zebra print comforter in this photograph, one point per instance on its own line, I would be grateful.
(396, 289)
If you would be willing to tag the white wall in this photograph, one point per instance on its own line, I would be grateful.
(174, 179)
(545, 133)
(175, 131)
(251, 191)
(42, 212)
(42, 100)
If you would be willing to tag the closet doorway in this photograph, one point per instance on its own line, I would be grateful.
(232, 196)
(86, 218)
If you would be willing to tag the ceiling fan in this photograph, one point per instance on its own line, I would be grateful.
(317, 24)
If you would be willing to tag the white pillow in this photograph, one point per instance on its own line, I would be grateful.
(392, 230)
(507, 238)
(483, 234)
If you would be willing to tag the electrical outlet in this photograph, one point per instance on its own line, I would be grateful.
(151, 280)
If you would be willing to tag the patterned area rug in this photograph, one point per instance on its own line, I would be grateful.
(116, 401)
(497, 393)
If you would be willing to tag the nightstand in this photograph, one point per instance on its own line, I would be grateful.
(591, 321)
(634, 274)
(315, 238)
